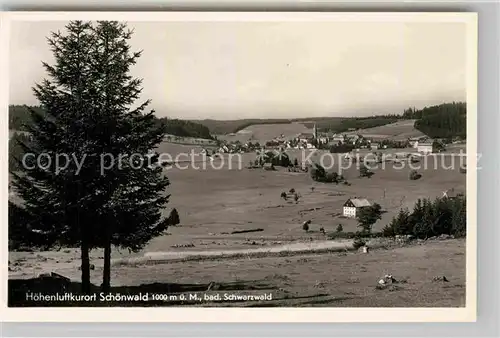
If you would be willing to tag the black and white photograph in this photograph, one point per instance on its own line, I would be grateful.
(241, 162)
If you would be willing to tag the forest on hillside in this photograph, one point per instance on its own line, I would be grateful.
(185, 128)
(19, 117)
(347, 124)
(447, 120)
(332, 124)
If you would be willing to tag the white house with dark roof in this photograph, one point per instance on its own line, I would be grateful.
(353, 205)
(427, 147)
(338, 138)
(305, 137)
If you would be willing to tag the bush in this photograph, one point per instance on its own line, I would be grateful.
(341, 148)
(319, 174)
(365, 172)
(358, 243)
(305, 227)
(174, 219)
(414, 175)
(352, 235)
(340, 228)
(292, 191)
(332, 177)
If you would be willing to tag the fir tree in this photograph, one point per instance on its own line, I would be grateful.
(114, 197)
(367, 216)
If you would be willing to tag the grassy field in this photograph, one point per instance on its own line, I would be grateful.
(346, 279)
(214, 203)
(400, 131)
(265, 132)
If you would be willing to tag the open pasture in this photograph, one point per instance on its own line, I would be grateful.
(215, 199)
(265, 132)
(401, 130)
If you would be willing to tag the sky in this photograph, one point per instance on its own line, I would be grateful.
(236, 70)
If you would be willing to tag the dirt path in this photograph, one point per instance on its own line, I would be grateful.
(299, 248)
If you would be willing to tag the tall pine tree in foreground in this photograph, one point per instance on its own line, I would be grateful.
(112, 190)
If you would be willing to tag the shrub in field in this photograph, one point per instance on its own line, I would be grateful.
(414, 175)
(283, 195)
(340, 228)
(365, 172)
(358, 243)
(305, 226)
(319, 174)
(174, 217)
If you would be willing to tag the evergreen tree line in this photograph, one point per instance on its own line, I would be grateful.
(447, 120)
(185, 128)
(430, 218)
(16, 150)
(20, 117)
(359, 123)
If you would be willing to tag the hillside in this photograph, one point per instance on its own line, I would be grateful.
(397, 131)
(446, 120)
(265, 132)
(333, 124)
(19, 116)
(185, 128)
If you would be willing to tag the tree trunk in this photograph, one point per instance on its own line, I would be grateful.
(106, 278)
(85, 267)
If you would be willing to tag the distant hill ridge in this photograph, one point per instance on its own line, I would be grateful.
(445, 120)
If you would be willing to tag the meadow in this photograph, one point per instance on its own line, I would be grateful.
(218, 206)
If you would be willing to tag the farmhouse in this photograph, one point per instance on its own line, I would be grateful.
(414, 141)
(338, 138)
(426, 147)
(305, 137)
(323, 139)
(375, 146)
(353, 138)
(353, 205)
